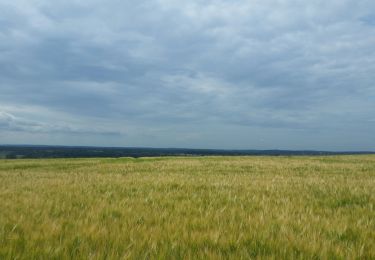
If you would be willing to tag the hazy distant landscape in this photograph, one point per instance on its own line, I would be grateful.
(32, 151)
(188, 208)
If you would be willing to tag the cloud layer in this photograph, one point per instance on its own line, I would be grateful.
(228, 74)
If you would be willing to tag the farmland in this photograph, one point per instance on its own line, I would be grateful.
(188, 207)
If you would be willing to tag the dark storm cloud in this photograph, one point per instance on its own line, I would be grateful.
(152, 68)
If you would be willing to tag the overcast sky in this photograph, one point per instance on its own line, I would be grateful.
(256, 74)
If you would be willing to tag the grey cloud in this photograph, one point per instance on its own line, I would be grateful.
(9, 122)
(151, 65)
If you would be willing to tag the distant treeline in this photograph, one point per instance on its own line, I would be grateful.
(18, 151)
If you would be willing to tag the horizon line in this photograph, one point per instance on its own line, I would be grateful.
(184, 148)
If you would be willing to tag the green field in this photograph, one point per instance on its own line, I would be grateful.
(191, 208)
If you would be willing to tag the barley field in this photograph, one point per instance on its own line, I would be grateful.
(188, 208)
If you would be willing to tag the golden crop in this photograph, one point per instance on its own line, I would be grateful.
(190, 208)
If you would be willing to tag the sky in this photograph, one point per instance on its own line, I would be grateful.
(231, 74)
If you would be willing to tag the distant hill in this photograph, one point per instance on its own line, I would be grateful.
(36, 151)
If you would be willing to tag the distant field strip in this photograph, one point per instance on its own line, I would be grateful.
(188, 208)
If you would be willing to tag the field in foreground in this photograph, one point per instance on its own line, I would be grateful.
(207, 207)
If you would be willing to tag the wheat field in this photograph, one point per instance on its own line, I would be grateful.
(188, 208)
